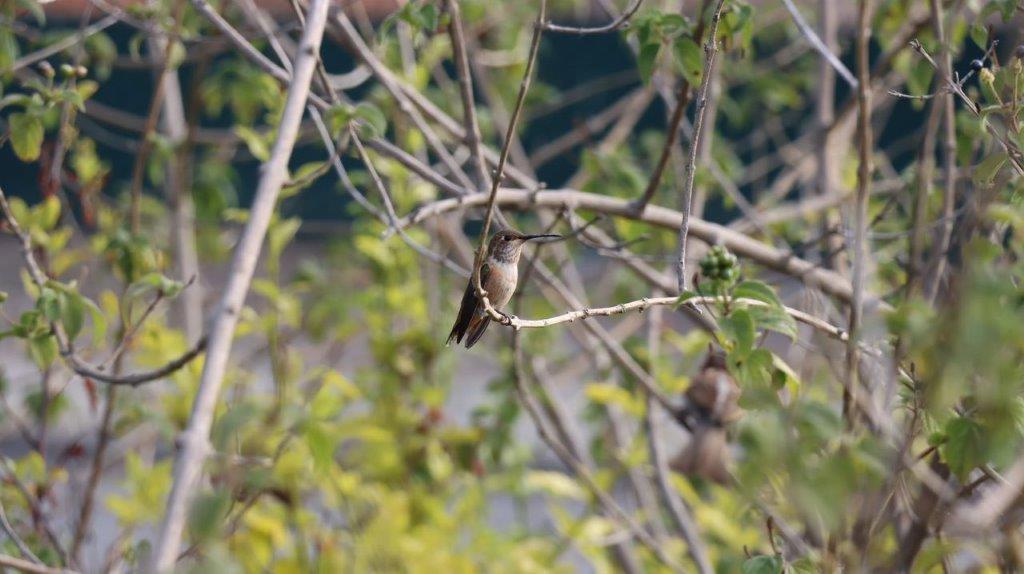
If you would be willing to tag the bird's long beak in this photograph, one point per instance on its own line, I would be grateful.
(541, 236)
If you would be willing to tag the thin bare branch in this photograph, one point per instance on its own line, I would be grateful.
(686, 197)
(820, 46)
(458, 38)
(620, 22)
(59, 46)
(779, 260)
(860, 209)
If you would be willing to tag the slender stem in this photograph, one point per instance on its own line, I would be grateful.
(620, 22)
(139, 166)
(819, 45)
(686, 198)
(524, 87)
(61, 45)
(682, 100)
(937, 264)
(179, 196)
(458, 38)
(13, 535)
(860, 208)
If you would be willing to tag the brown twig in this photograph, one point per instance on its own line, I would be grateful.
(146, 143)
(458, 39)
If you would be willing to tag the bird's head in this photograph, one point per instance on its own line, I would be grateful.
(507, 244)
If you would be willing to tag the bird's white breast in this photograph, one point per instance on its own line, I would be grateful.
(499, 292)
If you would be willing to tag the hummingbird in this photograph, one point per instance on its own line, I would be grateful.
(711, 405)
(499, 274)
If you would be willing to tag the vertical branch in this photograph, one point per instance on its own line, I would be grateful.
(864, 169)
(704, 153)
(95, 472)
(524, 86)
(825, 111)
(179, 197)
(146, 143)
(194, 440)
(925, 169)
(682, 100)
(710, 51)
(458, 38)
(937, 263)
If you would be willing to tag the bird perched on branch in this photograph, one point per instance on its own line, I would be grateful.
(711, 404)
(499, 274)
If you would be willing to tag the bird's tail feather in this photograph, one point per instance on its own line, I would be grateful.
(476, 329)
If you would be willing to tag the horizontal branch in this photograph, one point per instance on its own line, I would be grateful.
(770, 257)
(642, 305)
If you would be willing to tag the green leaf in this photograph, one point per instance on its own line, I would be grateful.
(646, 60)
(208, 513)
(755, 369)
(964, 448)
(758, 291)
(554, 483)
(685, 296)
(372, 117)
(338, 116)
(26, 135)
(612, 394)
(775, 319)
(72, 313)
(762, 565)
(48, 211)
(688, 59)
(256, 143)
(979, 34)
(738, 327)
(99, 321)
(49, 304)
(8, 48)
(43, 350)
(985, 172)
(320, 444)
